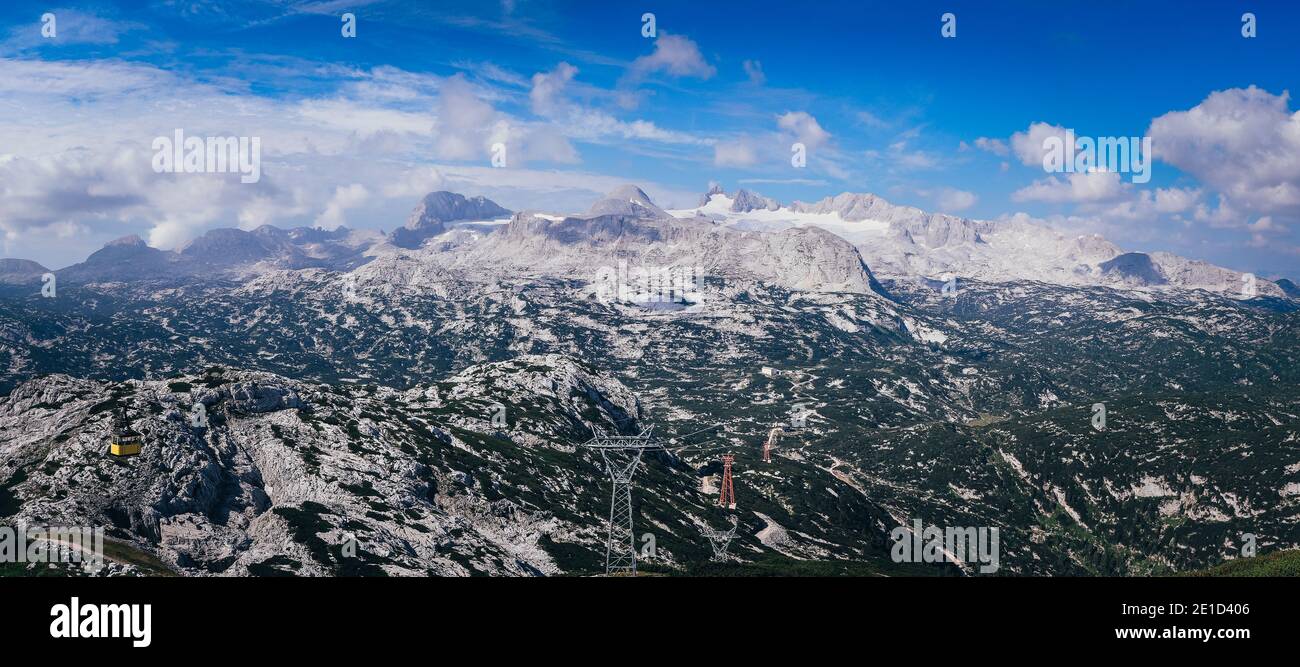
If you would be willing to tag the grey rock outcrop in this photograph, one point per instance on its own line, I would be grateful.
(438, 208)
(627, 200)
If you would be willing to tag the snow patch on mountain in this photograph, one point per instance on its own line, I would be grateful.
(906, 242)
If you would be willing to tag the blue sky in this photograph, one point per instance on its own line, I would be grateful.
(354, 130)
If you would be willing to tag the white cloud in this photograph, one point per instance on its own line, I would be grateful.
(492, 72)
(818, 182)
(345, 197)
(548, 99)
(1175, 200)
(1243, 142)
(87, 190)
(675, 55)
(463, 124)
(952, 200)
(363, 119)
(267, 209)
(547, 95)
(71, 27)
(1028, 145)
(414, 182)
(81, 81)
(754, 70)
(1079, 187)
(1147, 205)
(1222, 216)
(772, 150)
(910, 159)
(870, 119)
(804, 128)
(738, 153)
(995, 146)
(545, 190)
(62, 167)
(1265, 224)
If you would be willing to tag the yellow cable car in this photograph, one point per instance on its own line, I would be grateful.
(125, 441)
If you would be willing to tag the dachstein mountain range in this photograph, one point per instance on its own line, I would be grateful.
(411, 403)
(892, 240)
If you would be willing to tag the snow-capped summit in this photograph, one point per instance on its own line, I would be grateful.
(715, 188)
(800, 259)
(899, 242)
(746, 201)
(905, 242)
(437, 208)
(627, 200)
(1195, 274)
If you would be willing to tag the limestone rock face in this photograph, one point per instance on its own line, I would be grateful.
(438, 208)
(627, 200)
(20, 271)
(746, 201)
(294, 478)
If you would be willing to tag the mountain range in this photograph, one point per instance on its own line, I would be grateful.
(412, 403)
(894, 241)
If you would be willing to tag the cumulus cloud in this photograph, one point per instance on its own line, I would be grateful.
(1074, 188)
(996, 147)
(1028, 145)
(1148, 205)
(951, 200)
(468, 127)
(345, 197)
(548, 98)
(1264, 233)
(61, 168)
(415, 182)
(1174, 200)
(464, 122)
(1225, 215)
(773, 149)
(81, 188)
(1243, 142)
(804, 128)
(674, 55)
(547, 94)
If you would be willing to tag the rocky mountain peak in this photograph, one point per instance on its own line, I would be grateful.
(715, 188)
(442, 206)
(437, 208)
(628, 200)
(746, 201)
(20, 271)
(1133, 268)
(130, 240)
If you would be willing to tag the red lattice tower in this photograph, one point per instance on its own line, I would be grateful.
(728, 498)
(772, 437)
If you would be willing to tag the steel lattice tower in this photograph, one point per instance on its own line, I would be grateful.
(773, 437)
(622, 455)
(720, 540)
(728, 498)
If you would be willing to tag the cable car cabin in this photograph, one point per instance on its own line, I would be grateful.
(125, 441)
